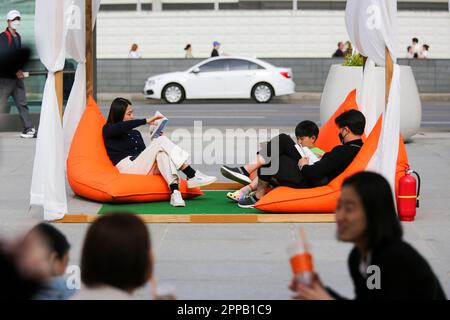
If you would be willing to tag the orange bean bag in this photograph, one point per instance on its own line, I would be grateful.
(323, 199)
(328, 135)
(93, 176)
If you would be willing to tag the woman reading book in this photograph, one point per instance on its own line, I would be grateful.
(128, 152)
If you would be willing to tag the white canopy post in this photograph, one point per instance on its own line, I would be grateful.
(77, 49)
(48, 179)
(372, 27)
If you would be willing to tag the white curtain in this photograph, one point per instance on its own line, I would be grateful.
(76, 48)
(48, 180)
(372, 26)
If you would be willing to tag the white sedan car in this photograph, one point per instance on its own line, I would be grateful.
(222, 78)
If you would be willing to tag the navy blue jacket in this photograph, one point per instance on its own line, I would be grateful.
(122, 141)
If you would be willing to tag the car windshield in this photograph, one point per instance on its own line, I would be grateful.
(231, 64)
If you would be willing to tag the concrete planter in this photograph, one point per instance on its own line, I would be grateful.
(341, 80)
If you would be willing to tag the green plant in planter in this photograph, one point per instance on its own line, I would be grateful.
(353, 60)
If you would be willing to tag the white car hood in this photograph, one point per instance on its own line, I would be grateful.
(168, 75)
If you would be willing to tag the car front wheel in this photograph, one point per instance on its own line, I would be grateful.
(262, 92)
(173, 93)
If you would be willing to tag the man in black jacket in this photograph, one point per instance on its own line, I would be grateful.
(11, 81)
(294, 171)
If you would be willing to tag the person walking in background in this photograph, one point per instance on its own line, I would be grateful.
(348, 48)
(116, 258)
(44, 254)
(409, 52)
(366, 216)
(415, 46)
(340, 52)
(216, 47)
(424, 53)
(134, 54)
(11, 83)
(188, 50)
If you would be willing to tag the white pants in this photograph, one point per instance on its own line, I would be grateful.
(161, 156)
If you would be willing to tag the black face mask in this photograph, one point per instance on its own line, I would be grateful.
(341, 138)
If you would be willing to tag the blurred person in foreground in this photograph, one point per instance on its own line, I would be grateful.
(14, 284)
(116, 259)
(366, 216)
(43, 254)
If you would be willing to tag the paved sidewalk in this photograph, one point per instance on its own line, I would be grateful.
(242, 261)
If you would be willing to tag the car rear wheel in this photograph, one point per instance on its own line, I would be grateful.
(173, 93)
(262, 92)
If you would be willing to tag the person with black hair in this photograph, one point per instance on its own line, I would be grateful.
(15, 285)
(424, 54)
(409, 52)
(188, 49)
(296, 172)
(415, 46)
(128, 152)
(116, 258)
(382, 265)
(43, 254)
(306, 133)
(340, 51)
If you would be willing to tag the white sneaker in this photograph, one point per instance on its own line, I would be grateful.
(28, 133)
(176, 200)
(200, 180)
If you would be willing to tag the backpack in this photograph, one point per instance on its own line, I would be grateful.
(9, 37)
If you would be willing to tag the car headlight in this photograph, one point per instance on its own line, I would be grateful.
(151, 82)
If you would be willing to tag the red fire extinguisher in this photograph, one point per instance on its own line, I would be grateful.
(408, 195)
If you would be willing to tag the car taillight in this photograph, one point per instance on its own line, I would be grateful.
(285, 74)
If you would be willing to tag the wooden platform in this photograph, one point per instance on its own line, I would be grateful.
(214, 218)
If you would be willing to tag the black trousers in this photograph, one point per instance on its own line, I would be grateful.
(281, 168)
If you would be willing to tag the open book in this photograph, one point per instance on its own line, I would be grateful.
(306, 152)
(159, 126)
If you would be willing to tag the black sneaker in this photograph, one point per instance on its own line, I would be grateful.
(248, 202)
(235, 174)
(29, 133)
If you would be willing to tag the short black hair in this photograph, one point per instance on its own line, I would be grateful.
(307, 128)
(353, 119)
(116, 252)
(56, 241)
(415, 40)
(427, 47)
(375, 193)
(117, 110)
(409, 47)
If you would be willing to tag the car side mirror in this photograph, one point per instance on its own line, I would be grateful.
(196, 70)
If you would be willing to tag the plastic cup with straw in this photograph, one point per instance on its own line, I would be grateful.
(301, 260)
